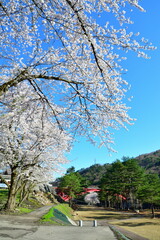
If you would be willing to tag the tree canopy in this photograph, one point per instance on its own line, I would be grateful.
(71, 59)
(71, 184)
(31, 146)
(149, 191)
(123, 179)
(62, 53)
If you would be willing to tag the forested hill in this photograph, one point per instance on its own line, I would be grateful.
(149, 161)
(93, 173)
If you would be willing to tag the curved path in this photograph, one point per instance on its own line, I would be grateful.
(26, 227)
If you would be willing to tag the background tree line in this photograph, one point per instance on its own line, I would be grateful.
(124, 184)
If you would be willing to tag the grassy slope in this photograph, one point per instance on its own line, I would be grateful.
(26, 207)
(64, 208)
(32, 204)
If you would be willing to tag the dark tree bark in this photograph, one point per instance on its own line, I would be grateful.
(11, 201)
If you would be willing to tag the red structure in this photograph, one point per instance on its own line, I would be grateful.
(66, 198)
(62, 195)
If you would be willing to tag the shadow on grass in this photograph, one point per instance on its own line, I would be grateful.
(132, 224)
(111, 217)
(108, 215)
(88, 208)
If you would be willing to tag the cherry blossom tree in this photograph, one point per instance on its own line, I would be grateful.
(31, 145)
(92, 198)
(70, 52)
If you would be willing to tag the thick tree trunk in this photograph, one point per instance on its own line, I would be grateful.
(11, 201)
(25, 191)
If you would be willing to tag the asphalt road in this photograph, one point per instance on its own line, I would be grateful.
(26, 231)
(27, 228)
(23, 232)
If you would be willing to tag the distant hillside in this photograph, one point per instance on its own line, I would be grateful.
(93, 173)
(149, 161)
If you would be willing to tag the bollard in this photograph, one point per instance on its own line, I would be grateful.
(80, 223)
(94, 223)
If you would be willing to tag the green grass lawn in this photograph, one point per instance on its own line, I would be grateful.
(24, 210)
(3, 197)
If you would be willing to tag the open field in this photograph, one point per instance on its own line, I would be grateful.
(99, 213)
(145, 227)
(141, 224)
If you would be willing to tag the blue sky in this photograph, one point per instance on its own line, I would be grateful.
(144, 77)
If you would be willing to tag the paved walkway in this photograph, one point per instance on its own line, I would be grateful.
(56, 233)
(26, 227)
(17, 230)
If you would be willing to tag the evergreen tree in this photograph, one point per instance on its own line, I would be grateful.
(133, 178)
(122, 181)
(112, 183)
(149, 191)
(71, 184)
